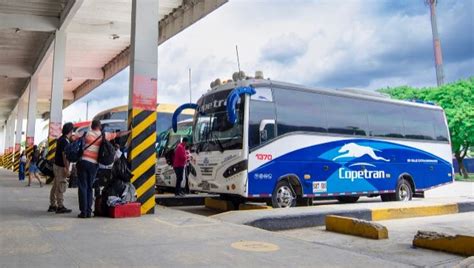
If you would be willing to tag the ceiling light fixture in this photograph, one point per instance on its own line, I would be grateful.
(115, 36)
(69, 79)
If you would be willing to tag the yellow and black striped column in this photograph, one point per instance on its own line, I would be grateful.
(9, 164)
(5, 159)
(142, 156)
(51, 149)
(1, 160)
(16, 159)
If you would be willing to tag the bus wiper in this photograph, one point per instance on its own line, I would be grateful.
(216, 140)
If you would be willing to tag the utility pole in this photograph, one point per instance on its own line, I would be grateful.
(87, 110)
(436, 43)
(190, 96)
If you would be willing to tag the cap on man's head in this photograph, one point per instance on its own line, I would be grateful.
(185, 139)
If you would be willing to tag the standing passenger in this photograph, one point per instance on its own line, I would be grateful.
(88, 165)
(33, 169)
(179, 162)
(21, 168)
(61, 172)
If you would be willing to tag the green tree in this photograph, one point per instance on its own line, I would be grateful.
(457, 100)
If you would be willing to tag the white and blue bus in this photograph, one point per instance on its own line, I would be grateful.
(263, 139)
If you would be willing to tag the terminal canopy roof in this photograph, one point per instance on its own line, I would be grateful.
(98, 40)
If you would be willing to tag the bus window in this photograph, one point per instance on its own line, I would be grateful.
(261, 109)
(418, 123)
(441, 132)
(346, 116)
(385, 119)
(309, 116)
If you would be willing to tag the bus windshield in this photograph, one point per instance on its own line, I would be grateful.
(212, 130)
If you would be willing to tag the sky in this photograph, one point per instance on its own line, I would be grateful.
(365, 44)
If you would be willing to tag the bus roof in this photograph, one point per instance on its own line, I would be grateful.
(346, 93)
(82, 124)
(160, 107)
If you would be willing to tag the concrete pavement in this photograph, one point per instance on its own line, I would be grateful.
(398, 247)
(458, 194)
(31, 237)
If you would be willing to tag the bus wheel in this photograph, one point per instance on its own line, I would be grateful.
(283, 196)
(403, 191)
(347, 199)
(387, 197)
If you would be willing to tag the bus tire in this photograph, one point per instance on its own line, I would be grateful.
(304, 201)
(283, 195)
(347, 199)
(387, 197)
(403, 192)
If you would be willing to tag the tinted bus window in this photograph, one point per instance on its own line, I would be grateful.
(418, 123)
(346, 116)
(385, 119)
(299, 111)
(441, 130)
(119, 115)
(163, 120)
(259, 110)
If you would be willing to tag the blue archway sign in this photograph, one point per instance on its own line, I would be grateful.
(232, 101)
(178, 111)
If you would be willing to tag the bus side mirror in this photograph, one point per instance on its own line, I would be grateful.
(267, 130)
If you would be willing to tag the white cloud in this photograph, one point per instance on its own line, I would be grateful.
(363, 44)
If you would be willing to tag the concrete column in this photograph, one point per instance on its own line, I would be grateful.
(56, 110)
(18, 132)
(10, 140)
(142, 100)
(2, 145)
(31, 117)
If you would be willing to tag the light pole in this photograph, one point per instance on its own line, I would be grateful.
(436, 43)
(87, 110)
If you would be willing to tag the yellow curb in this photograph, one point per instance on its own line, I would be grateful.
(353, 226)
(218, 204)
(252, 206)
(379, 214)
(457, 244)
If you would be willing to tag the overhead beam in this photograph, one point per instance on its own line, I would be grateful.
(65, 19)
(68, 13)
(118, 28)
(28, 22)
(190, 12)
(168, 27)
(80, 73)
(14, 71)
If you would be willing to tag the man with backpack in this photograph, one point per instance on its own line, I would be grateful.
(96, 143)
(61, 172)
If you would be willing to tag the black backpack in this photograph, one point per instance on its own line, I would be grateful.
(106, 152)
(169, 155)
(75, 149)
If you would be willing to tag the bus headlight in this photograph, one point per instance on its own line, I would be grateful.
(236, 168)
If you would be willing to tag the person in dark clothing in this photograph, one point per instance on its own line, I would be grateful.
(33, 169)
(21, 168)
(61, 172)
(179, 162)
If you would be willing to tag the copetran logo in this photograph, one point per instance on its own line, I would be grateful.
(206, 161)
(354, 150)
(351, 151)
